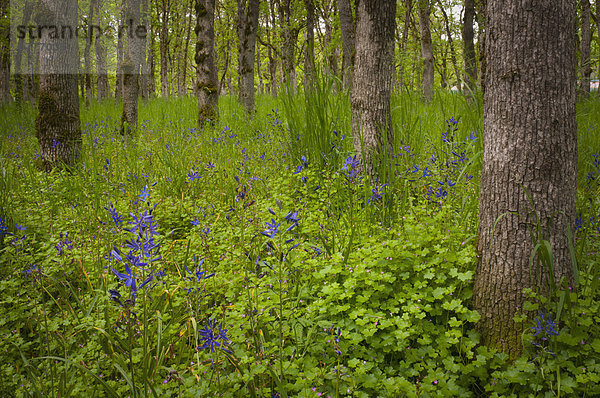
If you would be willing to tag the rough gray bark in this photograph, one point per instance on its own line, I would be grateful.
(206, 70)
(131, 66)
(470, 59)
(247, 27)
(530, 138)
(426, 49)
(57, 125)
(586, 41)
(347, 29)
(5, 95)
(371, 88)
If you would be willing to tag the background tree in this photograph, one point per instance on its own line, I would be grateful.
(57, 124)
(247, 27)
(585, 66)
(5, 95)
(134, 34)
(426, 49)
(371, 88)
(347, 29)
(469, 56)
(206, 72)
(530, 139)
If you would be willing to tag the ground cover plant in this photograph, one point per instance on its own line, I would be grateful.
(253, 258)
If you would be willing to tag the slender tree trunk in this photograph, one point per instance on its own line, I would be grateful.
(247, 28)
(347, 29)
(480, 7)
(131, 68)
(309, 54)
(261, 87)
(151, 64)
(586, 41)
(103, 90)
(90, 31)
(451, 45)
(271, 52)
(144, 18)
(530, 143)
(206, 70)
(289, 38)
(470, 59)
(426, 49)
(120, 79)
(57, 124)
(164, 48)
(372, 85)
(5, 95)
(403, 41)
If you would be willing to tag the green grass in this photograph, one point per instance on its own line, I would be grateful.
(365, 291)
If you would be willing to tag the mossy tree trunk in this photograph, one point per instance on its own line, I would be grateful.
(372, 84)
(57, 124)
(206, 70)
(530, 142)
(247, 29)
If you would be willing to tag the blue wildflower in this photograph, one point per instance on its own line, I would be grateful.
(214, 338)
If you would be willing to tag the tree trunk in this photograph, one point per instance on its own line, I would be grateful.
(309, 54)
(184, 87)
(372, 84)
(480, 7)
(144, 18)
(57, 125)
(5, 95)
(347, 28)
(120, 78)
(530, 142)
(426, 49)
(289, 37)
(151, 64)
(470, 58)
(103, 90)
(403, 41)
(451, 44)
(131, 67)
(164, 48)
(586, 41)
(247, 27)
(206, 70)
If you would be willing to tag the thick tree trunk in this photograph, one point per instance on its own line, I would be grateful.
(371, 88)
(5, 95)
(347, 29)
(131, 67)
(426, 49)
(469, 56)
(57, 124)
(586, 41)
(247, 27)
(206, 70)
(530, 146)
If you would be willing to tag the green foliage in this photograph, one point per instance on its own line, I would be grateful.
(325, 283)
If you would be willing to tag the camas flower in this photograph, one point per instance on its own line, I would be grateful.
(214, 338)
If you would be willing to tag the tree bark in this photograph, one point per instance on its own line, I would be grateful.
(131, 67)
(103, 90)
(371, 88)
(19, 76)
(5, 95)
(480, 8)
(206, 70)
(120, 78)
(426, 49)
(470, 59)
(586, 41)
(144, 18)
(530, 142)
(403, 41)
(151, 64)
(57, 125)
(90, 31)
(247, 27)
(347, 29)
(289, 37)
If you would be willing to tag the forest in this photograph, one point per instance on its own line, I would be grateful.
(299, 198)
